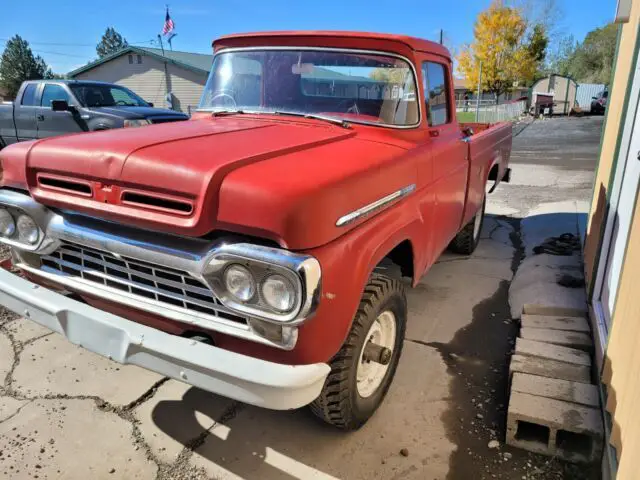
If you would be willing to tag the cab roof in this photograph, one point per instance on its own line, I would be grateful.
(363, 40)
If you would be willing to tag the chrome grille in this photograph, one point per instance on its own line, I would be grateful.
(173, 288)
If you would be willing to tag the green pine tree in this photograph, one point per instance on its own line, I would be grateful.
(110, 43)
(18, 64)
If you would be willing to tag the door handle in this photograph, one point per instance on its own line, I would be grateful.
(40, 117)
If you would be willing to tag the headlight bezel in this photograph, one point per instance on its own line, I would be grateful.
(302, 271)
(16, 240)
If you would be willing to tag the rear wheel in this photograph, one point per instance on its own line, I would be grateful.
(467, 239)
(363, 369)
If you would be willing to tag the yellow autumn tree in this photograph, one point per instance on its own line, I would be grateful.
(500, 45)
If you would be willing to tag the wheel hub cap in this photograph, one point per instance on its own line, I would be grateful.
(370, 374)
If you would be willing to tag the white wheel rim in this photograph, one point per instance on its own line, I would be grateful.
(370, 374)
(477, 223)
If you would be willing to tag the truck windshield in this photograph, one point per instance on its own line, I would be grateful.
(356, 87)
(96, 95)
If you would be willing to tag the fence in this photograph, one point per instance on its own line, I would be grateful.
(586, 92)
(493, 113)
(472, 102)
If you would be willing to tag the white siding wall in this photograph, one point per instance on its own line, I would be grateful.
(148, 80)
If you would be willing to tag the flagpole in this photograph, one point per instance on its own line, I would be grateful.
(161, 45)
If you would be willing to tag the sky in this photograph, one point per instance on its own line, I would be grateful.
(65, 32)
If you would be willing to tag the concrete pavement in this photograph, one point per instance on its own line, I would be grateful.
(66, 413)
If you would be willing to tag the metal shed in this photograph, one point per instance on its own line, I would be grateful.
(564, 91)
(586, 92)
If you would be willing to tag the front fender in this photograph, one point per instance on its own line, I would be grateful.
(347, 264)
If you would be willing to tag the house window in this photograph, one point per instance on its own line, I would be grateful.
(130, 59)
(139, 58)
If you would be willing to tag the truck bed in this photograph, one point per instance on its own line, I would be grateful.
(489, 151)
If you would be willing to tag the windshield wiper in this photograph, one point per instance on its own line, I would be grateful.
(337, 121)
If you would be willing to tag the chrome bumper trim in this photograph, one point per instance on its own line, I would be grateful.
(192, 255)
(243, 378)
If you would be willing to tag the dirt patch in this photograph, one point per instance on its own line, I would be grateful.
(478, 361)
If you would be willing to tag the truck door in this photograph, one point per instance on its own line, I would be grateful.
(449, 152)
(50, 123)
(25, 113)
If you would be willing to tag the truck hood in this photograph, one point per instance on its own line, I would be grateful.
(138, 112)
(163, 177)
(288, 181)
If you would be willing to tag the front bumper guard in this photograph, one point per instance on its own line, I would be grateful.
(240, 377)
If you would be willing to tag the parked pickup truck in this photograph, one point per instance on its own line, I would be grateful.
(260, 250)
(47, 108)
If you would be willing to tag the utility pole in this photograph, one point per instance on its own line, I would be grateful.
(441, 36)
(479, 92)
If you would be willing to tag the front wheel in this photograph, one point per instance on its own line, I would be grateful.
(363, 369)
(467, 239)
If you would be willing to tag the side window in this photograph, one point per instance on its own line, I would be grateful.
(130, 59)
(435, 89)
(53, 92)
(29, 95)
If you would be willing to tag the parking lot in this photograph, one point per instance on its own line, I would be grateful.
(67, 413)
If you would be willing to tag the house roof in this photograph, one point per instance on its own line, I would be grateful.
(460, 83)
(198, 62)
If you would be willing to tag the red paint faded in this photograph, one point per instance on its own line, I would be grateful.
(285, 179)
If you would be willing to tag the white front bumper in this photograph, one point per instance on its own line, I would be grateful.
(243, 378)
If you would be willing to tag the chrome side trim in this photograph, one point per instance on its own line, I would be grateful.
(343, 50)
(374, 207)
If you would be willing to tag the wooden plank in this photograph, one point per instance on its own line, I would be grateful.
(558, 337)
(565, 390)
(556, 322)
(558, 353)
(545, 367)
(534, 309)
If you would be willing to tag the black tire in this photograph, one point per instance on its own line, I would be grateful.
(467, 239)
(340, 403)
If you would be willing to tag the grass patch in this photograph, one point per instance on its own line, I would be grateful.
(466, 117)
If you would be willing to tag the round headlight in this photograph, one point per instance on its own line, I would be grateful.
(278, 292)
(239, 282)
(7, 224)
(28, 230)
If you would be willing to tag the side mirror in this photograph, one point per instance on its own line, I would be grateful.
(60, 106)
(150, 104)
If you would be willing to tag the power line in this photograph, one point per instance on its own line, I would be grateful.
(54, 53)
(76, 44)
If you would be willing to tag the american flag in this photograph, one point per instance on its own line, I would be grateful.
(168, 24)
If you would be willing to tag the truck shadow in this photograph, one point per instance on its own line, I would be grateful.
(259, 444)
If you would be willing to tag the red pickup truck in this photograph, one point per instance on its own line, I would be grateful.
(258, 250)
